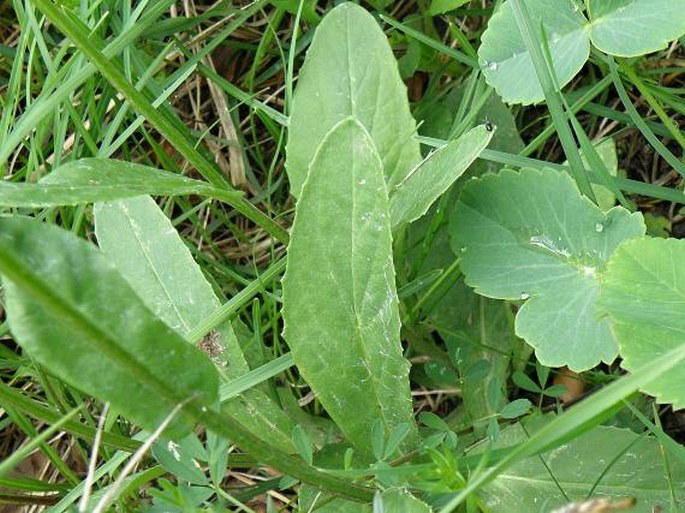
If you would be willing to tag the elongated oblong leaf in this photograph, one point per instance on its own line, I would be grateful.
(350, 71)
(644, 294)
(505, 61)
(74, 313)
(340, 304)
(91, 180)
(147, 250)
(637, 27)
(412, 197)
(532, 236)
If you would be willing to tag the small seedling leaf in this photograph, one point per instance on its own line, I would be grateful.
(516, 409)
(74, 313)
(350, 71)
(643, 293)
(531, 236)
(340, 304)
(303, 444)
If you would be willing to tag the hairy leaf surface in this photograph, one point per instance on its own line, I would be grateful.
(340, 304)
(531, 236)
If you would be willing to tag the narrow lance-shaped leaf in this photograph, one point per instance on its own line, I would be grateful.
(350, 71)
(532, 236)
(73, 312)
(340, 304)
(644, 294)
(413, 196)
(147, 250)
(91, 180)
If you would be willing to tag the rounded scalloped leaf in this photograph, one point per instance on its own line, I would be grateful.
(532, 236)
(644, 293)
(635, 27)
(506, 63)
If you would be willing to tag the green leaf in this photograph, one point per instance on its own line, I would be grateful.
(136, 236)
(643, 293)
(91, 180)
(443, 6)
(531, 236)
(411, 198)
(73, 312)
(141, 242)
(516, 409)
(350, 71)
(399, 501)
(505, 61)
(181, 458)
(627, 28)
(620, 462)
(340, 305)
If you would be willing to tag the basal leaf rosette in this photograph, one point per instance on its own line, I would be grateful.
(644, 294)
(532, 236)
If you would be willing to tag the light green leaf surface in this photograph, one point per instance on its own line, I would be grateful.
(400, 501)
(350, 71)
(91, 180)
(532, 236)
(443, 6)
(411, 198)
(136, 236)
(627, 28)
(73, 312)
(141, 242)
(644, 294)
(507, 64)
(340, 304)
(578, 465)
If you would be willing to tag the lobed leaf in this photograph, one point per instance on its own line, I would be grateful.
(340, 305)
(73, 312)
(350, 71)
(644, 294)
(531, 236)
